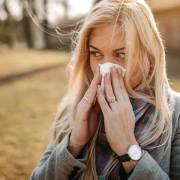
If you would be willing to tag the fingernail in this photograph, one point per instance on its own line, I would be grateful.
(99, 87)
(114, 69)
(119, 71)
(108, 75)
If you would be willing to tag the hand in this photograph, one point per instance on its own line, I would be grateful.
(119, 119)
(86, 117)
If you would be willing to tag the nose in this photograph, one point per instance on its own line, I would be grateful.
(109, 59)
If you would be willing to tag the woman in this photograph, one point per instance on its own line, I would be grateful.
(132, 131)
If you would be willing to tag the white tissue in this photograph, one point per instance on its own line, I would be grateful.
(104, 68)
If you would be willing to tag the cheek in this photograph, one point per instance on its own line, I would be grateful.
(136, 76)
(135, 71)
(93, 65)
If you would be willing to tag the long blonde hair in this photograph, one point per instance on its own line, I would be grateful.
(143, 43)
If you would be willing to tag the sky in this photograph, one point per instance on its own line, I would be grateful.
(55, 10)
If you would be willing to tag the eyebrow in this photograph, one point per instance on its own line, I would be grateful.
(119, 49)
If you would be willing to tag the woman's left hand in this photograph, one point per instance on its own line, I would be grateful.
(119, 119)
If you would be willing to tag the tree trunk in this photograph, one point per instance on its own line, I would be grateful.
(27, 26)
(27, 31)
(46, 28)
(8, 26)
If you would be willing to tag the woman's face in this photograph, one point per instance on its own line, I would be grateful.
(103, 47)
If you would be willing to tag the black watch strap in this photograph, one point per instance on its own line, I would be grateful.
(124, 158)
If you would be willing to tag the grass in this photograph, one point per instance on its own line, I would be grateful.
(27, 60)
(28, 107)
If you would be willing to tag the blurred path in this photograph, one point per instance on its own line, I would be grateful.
(15, 77)
(15, 65)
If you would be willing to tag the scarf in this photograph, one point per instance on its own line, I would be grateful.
(105, 157)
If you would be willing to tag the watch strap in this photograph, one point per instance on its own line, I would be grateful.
(124, 158)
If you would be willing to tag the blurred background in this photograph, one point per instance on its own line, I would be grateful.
(33, 59)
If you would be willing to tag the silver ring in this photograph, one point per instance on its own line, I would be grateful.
(112, 100)
(86, 98)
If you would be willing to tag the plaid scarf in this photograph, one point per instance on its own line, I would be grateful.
(105, 157)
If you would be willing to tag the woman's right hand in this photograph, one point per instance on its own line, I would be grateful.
(86, 117)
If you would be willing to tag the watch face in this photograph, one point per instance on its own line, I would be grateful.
(134, 152)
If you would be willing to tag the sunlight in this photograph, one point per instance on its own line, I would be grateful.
(15, 9)
(79, 7)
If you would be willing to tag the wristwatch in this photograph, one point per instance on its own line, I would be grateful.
(134, 153)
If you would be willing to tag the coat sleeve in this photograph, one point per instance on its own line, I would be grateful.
(147, 168)
(175, 155)
(58, 163)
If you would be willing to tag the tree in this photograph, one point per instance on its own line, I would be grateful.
(27, 22)
(6, 32)
(46, 26)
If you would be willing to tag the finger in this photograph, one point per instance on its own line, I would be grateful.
(116, 85)
(95, 75)
(102, 102)
(96, 108)
(123, 90)
(108, 87)
(89, 98)
(111, 99)
(96, 80)
(90, 95)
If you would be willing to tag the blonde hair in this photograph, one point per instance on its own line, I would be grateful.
(143, 43)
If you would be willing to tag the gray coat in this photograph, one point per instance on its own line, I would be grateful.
(58, 164)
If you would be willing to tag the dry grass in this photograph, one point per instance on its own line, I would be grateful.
(27, 111)
(28, 107)
(23, 61)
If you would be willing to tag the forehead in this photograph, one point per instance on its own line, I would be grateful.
(108, 35)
